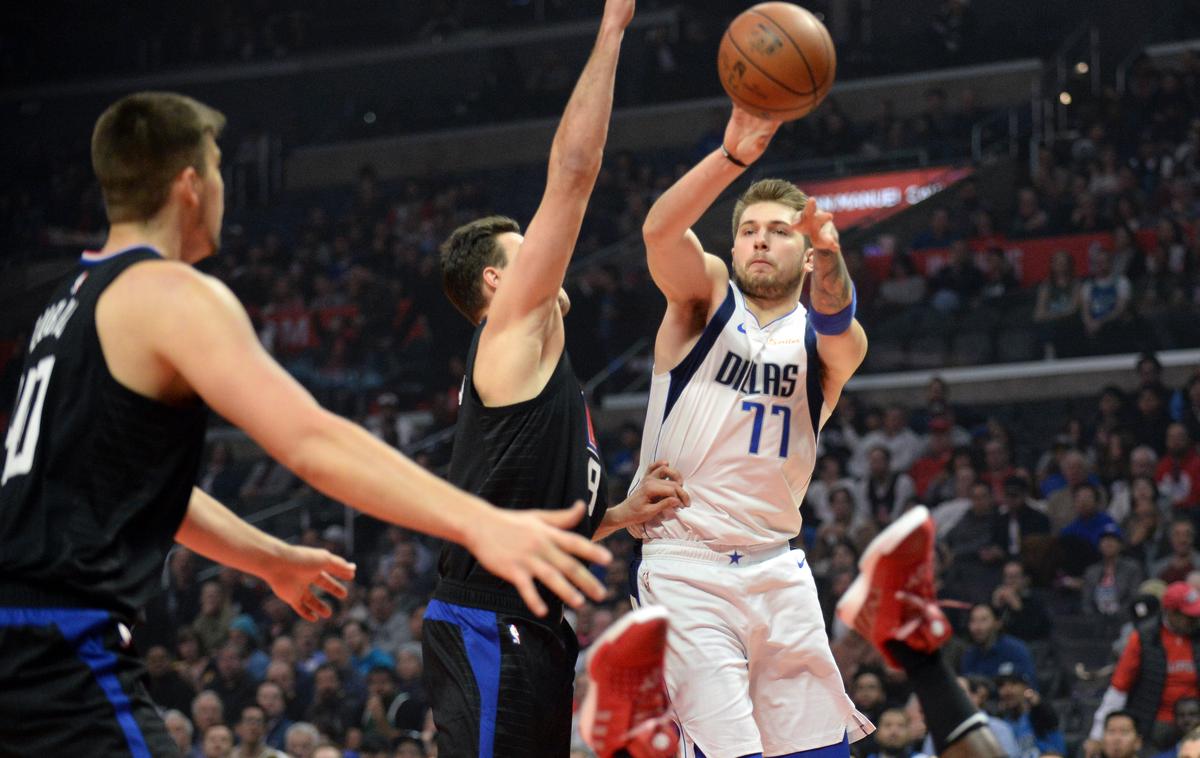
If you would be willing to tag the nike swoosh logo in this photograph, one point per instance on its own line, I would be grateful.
(742, 328)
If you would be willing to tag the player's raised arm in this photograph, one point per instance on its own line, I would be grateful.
(841, 341)
(536, 276)
(677, 261)
(200, 338)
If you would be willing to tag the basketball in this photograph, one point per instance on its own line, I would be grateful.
(777, 61)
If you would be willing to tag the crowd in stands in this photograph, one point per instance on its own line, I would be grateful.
(1078, 541)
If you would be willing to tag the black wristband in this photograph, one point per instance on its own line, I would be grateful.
(729, 157)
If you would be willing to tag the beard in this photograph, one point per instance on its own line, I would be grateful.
(772, 286)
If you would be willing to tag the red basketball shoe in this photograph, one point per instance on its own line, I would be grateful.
(893, 596)
(625, 708)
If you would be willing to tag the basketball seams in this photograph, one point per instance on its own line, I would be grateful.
(812, 79)
(761, 70)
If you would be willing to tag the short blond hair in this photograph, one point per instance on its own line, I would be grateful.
(768, 191)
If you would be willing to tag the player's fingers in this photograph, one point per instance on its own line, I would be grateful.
(581, 548)
(302, 610)
(655, 469)
(563, 519)
(316, 605)
(337, 566)
(528, 592)
(668, 473)
(554, 581)
(331, 585)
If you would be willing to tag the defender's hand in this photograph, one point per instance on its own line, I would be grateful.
(658, 494)
(303, 569)
(520, 546)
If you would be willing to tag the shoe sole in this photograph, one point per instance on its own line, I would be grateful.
(653, 614)
(887, 541)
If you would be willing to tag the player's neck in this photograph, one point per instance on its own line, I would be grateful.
(151, 233)
(768, 310)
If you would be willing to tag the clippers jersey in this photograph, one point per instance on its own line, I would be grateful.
(539, 453)
(96, 478)
(738, 418)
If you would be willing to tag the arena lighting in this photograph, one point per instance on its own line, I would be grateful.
(1081, 68)
(369, 117)
(1064, 97)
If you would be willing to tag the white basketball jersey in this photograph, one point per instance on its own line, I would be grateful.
(738, 418)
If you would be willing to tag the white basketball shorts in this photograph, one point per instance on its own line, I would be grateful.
(748, 666)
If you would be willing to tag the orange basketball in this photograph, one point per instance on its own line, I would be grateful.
(777, 61)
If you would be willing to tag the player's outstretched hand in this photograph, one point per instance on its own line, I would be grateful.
(747, 136)
(818, 226)
(658, 494)
(301, 571)
(521, 546)
(618, 13)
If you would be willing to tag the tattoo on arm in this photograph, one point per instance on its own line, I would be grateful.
(831, 282)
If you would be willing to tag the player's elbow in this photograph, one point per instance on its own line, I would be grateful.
(575, 166)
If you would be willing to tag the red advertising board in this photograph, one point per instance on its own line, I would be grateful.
(868, 199)
(1030, 258)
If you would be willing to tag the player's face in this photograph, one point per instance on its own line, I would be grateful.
(510, 242)
(768, 255)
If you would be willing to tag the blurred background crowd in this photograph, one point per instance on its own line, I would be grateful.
(1032, 376)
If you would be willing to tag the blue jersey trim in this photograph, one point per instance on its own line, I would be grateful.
(84, 630)
(482, 641)
(92, 259)
(700, 754)
(683, 373)
(816, 396)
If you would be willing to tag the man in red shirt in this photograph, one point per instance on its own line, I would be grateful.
(1157, 668)
(1178, 473)
(930, 468)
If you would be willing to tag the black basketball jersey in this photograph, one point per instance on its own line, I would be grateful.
(96, 478)
(540, 453)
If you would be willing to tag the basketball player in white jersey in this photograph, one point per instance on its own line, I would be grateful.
(744, 376)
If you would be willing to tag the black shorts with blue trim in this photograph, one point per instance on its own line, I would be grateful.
(72, 685)
(500, 684)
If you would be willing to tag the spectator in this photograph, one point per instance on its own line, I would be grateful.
(243, 634)
(1090, 522)
(230, 680)
(1155, 669)
(389, 712)
(1189, 407)
(251, 730)
(284, 676)
(211, 627)
(999, 279)
(991, 652)
(979, 690)
(868, 693)
(902, 444)
(1143, 462)
(1030, 219)
(218, 742)
(1144, 528)
(893, 736)
(270, 699)
(1059, 490)
(1056, 313)
(1021, 611)
(388, 627)
(1178, 473)
(883, 490)
(1189, 746)
(975, 544)
(1110, 584)
(904, 286)
(181, 730)
(931, 468)
(207, 711)
(166, 686)
(1020, 519)
(363, 657)
(1150, 419)
(998, 465)
(333, 710)
(1183, 558)
(1104, 304)
(938, 234)
(1033, 722)
(1187, 718)
(301, 740)
(1122, 738)
(955, 285)
(829, 476)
